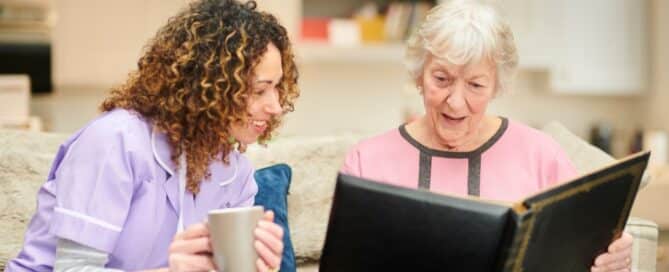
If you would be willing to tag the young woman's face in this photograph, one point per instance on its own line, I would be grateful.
(263, 103)
(456, 98)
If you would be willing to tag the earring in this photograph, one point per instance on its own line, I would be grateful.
(241, 147)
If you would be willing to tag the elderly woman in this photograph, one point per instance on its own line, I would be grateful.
(130, 190)
(461, 57)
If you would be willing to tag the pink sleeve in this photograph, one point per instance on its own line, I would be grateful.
(352, 163)
(561, 169)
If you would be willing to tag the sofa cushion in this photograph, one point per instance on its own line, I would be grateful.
(586, 157)
(645, 235)
(315, 163)
(25, 158)
(273, 187)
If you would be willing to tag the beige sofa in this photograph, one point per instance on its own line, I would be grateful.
(25, 158)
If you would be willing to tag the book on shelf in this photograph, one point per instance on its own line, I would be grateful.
(403, 18)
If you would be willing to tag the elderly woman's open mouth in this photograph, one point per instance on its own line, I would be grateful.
(452, 120)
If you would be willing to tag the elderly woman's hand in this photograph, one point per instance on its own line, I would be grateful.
(618, 257)
(269, 243)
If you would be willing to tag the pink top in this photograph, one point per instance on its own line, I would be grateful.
(515, 163)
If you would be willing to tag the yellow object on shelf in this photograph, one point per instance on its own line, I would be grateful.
(372, 30)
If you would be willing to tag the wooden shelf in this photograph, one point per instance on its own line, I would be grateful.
(323, 52)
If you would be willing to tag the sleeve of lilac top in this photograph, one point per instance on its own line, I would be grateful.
(74, 257)
(351, 164)
(94, 185)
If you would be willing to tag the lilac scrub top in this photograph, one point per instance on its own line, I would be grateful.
(114, 187)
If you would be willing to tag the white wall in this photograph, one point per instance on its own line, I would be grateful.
(37, 3)
(369, 98)
(288, 12)
(657, 101)
(347, 98)
(96, 43)
(533, 103)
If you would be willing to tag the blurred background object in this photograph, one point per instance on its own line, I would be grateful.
(601, 136)
(25, 41)
(376, 21)
(314, 29)
(655, 140)
(15, 88)
(15, 98)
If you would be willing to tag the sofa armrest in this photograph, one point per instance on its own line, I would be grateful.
(308, 267)
(585, 156)
(644, 252)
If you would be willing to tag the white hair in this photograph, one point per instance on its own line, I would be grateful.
(464, 32)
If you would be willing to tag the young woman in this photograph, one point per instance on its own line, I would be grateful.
(130, 190)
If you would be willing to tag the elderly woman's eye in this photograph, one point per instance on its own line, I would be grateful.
(441, 78)
(476, 85)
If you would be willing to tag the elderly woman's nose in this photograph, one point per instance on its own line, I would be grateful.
(456, 97)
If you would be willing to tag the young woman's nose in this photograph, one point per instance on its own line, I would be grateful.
(272, 104)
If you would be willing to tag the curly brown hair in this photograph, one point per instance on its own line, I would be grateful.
(195, 77)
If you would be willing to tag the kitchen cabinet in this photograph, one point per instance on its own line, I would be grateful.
(603, 48)
(594, 47)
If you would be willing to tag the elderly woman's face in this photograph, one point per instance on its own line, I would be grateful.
(456, 98)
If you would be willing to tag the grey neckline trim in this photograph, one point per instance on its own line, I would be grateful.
(451, 154)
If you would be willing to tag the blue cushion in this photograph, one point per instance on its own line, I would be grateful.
(273, 186)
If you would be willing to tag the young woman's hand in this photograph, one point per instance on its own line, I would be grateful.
(191, 250)
(268, 244)
(618, 257)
